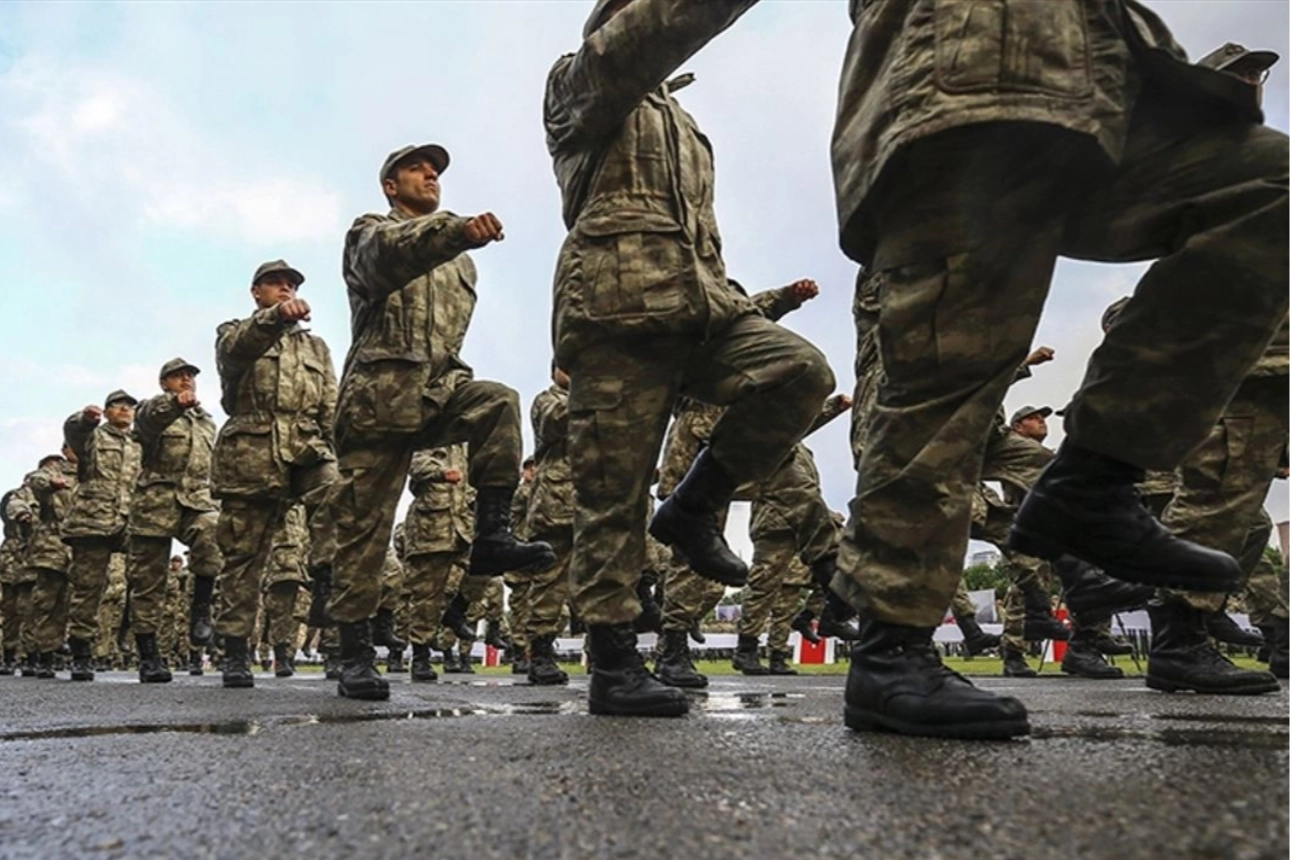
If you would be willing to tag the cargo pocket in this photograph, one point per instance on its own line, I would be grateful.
(598, 430)
(1018, 46)
(243, 462)
(635, 266)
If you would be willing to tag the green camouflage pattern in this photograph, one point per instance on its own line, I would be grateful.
(176, 465)
(109, 460)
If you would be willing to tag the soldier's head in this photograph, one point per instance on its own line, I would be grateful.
(176, 562)
(1240, 62)
(1031, 422)
(118, 409)
(275, 282)
(528, 469)
(410, 178)
(50, 460)
(178, 375)
(600, 13)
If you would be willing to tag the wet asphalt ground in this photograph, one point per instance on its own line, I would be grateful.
(489, 767)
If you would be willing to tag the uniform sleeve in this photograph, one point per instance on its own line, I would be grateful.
(383, 255)
(77, 434)
(590, 93)
(833, 407)
(239, 343)
(327, 405)
(550, 416)
(776, 303)
(428, 467)
(154, 415)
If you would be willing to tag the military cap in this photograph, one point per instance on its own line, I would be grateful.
(277, 266)
(119, 396)
(1236, 58)
(175, 365)
(50, 458)
(1112, 312)
(437, 154)
(1027, 411)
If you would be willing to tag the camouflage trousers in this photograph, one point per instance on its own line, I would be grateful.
(520, 606)
(488, 606)
(788, 602)
(1223, 483)
(485, 415)
(548, 591)
(49, 609)
(427, 579)
(148, 569)
(476, 591)
(15, 614)
(282, 616)
(87, 578)
(772, 555)
(688, 597)
(965, 286)
(111, 613)
(172, 623)
(961, 604)
(620, 399)
(246, 530)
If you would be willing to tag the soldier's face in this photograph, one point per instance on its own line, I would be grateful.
(1032, 427)
(414, 187)
(120, 414)
(180, 380)
(273, 289)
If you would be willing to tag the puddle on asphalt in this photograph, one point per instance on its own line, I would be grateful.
(744, 701)
(1169, 737)
(1225, 718)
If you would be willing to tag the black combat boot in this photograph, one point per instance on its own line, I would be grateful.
(9, 665)
(689, 521)
(200, 631)
(331, 664)
(898, 683)
(674, 665)
(1089, 592)
(696, 632)
(836, 616)
(495, 549)
(1015, 665)
(1109, 645)
(1279, 649)
(422, 671)
(319, 594)
(451, 662)
(1040, 624)
(45, 665)
(1085, 504)
(520, 665)
(542, 666)
(82, 659)
(975, 640)
(802, 624)
(620, 683)
(1221, 627)
(152, 668)
(394, 663)
(284, 660)
(358, 676)
(1182, 657)
(1085, 661)
(236, 666)
(383, 634)
(493, 636)
(746, 658)
(195, 662)
(454, 618)
(467, 663)
(651, 618)
(778, 664)
(29, 667)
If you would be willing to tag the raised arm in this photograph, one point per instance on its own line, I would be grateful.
(154, 415)
(384, 255)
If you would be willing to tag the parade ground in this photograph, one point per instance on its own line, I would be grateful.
(486, 766)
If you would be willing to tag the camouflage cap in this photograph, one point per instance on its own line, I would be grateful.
(1112, 312)
(118, 396)
(175, 365)
(277, 266)
(437, 154)
(1027, 411)
(1237, 58)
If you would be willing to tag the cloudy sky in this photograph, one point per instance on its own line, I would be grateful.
(155, 153)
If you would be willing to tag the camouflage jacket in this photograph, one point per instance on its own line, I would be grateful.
(441, 518)
(551, 504)
(109, 462)
(289, 557)
(915, 68)
(643, 254)
(411, 296)
(46, 548)
(279, 390)
(177, 445)
(17, 535)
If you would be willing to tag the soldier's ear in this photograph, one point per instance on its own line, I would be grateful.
(390, 188)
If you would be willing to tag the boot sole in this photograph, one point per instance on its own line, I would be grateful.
(1166, 685)
(1038, 546)
(546, 562)
(239, 684)
(867, 721)
(367, 695)
(683, 683)
(663, 709)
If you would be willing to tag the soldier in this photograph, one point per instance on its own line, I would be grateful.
(173, 501)
(279, 392)
(384, 632)
(412, 292)
(644, 313)
(1265, 597)
(967, 156)
(550, 519)
(436, 542)
(783, 612)
(108, 653)
(286, 575)
(19, 511)
(518, 581)
(108, 464)
(172, 619)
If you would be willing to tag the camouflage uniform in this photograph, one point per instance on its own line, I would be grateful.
(112, 610)
(1083, 122)
(172, 500)
(279, 391)
(17, 577)
(1265, 593)
(550, 512)
(519, 582)
(170, 617)
(644, 311)
(405, 388)
(436, 537)
(286, 575)
(786, 603)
